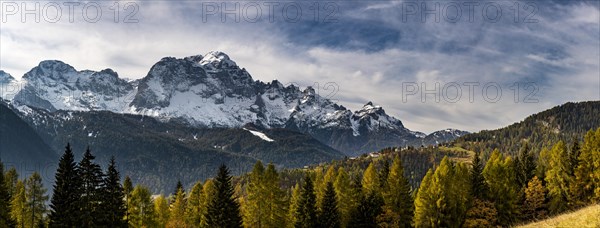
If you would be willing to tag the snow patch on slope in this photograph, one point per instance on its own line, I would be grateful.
(260, 135)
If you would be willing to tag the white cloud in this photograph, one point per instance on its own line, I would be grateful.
(490, 55)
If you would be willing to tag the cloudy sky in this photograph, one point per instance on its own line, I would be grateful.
(433, 65)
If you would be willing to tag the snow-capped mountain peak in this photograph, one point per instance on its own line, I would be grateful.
(5, 77)
(215, 60)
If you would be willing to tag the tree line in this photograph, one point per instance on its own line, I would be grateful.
(502, 190)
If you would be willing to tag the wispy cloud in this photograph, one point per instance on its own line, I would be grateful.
(370, 49)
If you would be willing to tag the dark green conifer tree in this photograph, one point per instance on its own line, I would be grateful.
(92, 184)
(306, 214)
(66, 197)
(329, 216)
(113, 204)
(223, 209)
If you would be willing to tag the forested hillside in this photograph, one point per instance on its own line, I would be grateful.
(566, 122)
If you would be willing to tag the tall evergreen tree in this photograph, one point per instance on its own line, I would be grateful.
(178, 187)
(370, 180)
(141, 211)
(256, 199)
(397, 195)
(18, 211)
(36, 200)
(65, 202)
(365, 215)
(583, 185)
(276, 208)
(500, 177)
(330, 176)
(224, 210)
(524, 166)
(542, 164)
(478, 186)
(347, 196)
(558, 179)
(210, 192)
(574, 157)
(161, 208)
(5, 220)
(306, 214)
(383, 174)
(441, 199)
(10, 180)
(329, 216)
(92, 183)
(177, 214)
(113, 204)
(127, 189)
(195, 205)
(294, 205)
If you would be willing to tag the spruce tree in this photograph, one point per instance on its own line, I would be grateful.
(66, 197)
(5, 220)
(92, 183)
(329, 216)
(36, 200)
(329, 176)
(365, 215)
(178, 187)
(113, 204)
(224, 210)
(478, 186)
(306, 214)
(574, 157)
(383, 174)
(524, 166)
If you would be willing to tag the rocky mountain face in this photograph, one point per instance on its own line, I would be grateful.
(159, 153)
(212, 91)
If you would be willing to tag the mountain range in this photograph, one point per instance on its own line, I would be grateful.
(193, 113)
(212, 91)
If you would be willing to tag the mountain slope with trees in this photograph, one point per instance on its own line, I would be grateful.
(568, 122)
(149, 148)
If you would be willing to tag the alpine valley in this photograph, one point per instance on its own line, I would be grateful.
(193, 113)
